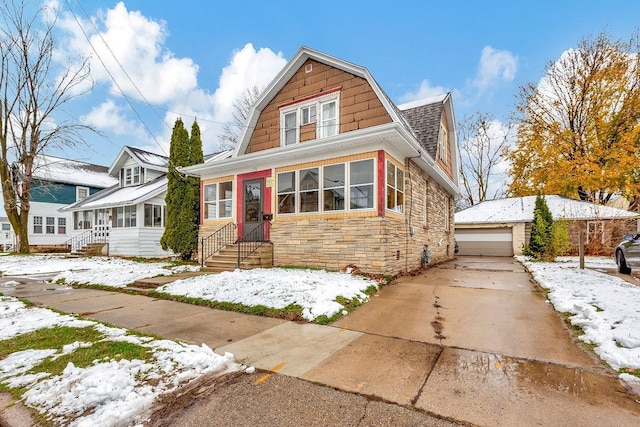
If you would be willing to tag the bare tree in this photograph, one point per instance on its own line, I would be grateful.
(241, 106)
(483, 141)
(32, 88)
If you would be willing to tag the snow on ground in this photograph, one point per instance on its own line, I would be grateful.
(607, 308)
(108, 392)
(314, 290)
(116, 272)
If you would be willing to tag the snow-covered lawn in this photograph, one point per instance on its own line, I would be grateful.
(108, 392)
(116, 272)
(315, 291)
(605, 307)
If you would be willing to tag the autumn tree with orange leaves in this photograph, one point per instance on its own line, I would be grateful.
(579, 128)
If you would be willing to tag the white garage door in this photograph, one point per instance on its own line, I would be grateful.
(485, 241)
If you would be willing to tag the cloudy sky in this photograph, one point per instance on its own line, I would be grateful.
(154, 61)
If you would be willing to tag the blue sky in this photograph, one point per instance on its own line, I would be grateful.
(192, 58)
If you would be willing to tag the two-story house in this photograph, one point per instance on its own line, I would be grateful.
(330, 172)
(57, 182)
(129, 216)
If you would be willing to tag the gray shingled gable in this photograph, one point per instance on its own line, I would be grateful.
(425, 124)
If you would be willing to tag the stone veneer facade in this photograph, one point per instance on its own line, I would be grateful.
(375, 244)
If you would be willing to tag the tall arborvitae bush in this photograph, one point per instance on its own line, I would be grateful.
(548, 238)
(183, 195)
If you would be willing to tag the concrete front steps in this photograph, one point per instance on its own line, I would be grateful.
(90, 249)
(227, 259)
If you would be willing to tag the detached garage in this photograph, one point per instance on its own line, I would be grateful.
(502, 227)
(485, 241)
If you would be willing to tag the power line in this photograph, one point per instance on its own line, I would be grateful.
(113, 78)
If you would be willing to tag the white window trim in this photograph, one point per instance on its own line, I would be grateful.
(78, 190)
(298, 107)
(123, 174)
(40, 223)
(347, 190)
(144, 215)
(599, 227)
(394, 186)
(443, 146)
(217, 201)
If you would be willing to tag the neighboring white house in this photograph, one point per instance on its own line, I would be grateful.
(502, 227)
(130, 215)
(7, 236)
(57, 182)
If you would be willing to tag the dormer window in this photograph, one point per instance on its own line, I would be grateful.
(310, 119)
(130, 176)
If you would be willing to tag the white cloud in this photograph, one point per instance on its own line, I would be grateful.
(424, 91)
(248, 68)
(495, 66)
(112, 117)
(166, 80)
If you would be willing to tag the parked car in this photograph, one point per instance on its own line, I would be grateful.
(627, 253)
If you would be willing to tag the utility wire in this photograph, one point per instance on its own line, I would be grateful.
(113, 79)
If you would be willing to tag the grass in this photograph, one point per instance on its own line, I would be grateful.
(102, 351)
(49, 338)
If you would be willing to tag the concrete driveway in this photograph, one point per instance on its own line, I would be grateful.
(474, 340)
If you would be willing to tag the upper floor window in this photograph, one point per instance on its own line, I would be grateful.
(81, 193)
(311, 119)
(131, 175)
(395, 188)
(443, 144)
(218, 199)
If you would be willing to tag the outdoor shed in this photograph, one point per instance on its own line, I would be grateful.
(502, 227)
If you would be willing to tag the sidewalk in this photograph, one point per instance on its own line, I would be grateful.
(284, 350)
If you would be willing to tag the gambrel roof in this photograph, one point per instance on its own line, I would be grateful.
(407, 134)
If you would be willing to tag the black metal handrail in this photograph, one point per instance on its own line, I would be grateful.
(211, 244)
(252, 240)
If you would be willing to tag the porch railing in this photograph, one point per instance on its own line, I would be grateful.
(211, 244)
(252, 240)
(99, 234)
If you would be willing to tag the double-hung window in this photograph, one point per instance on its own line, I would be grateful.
(51, 225)
(310, 119)
(62, 225)
(395, 188)
(217, 200)
(81, 193)
(309, 190)
(361, 185)
(333, 185)
(287, 193)
(37, 225)
(131, 175)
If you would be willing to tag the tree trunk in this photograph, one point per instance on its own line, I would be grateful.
(22, 235)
